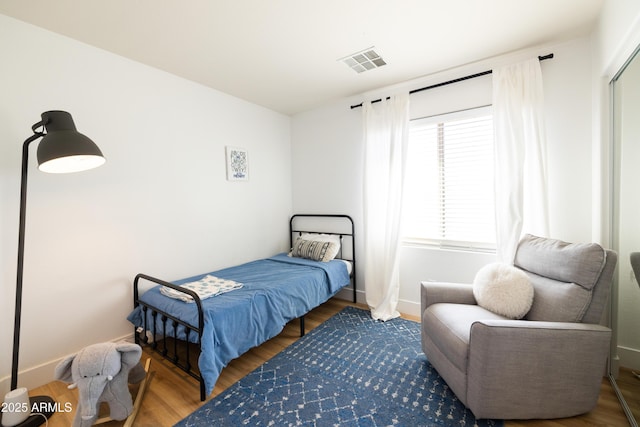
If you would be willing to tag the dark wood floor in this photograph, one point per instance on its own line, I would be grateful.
(172, 395)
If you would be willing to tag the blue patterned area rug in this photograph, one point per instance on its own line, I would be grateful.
(349, 371)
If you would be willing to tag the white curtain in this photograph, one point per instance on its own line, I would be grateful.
(386, 127)
(520, 155)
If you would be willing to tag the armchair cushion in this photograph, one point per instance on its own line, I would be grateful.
(451, 327)
(503, 289)
(556, 301)
(563, 276)
(579, 263)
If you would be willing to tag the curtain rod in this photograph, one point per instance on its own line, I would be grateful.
(460, 79)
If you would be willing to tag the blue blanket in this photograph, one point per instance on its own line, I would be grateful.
(276, 290)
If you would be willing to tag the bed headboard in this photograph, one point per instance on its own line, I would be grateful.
(338, 225)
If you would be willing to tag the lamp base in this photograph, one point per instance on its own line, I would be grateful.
(43, 407)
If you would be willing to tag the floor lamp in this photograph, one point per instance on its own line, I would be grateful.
(62, 149)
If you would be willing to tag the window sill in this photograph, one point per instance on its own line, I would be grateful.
(449, 245)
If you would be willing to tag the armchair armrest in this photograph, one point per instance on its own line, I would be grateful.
(515, 365)
(436, 292)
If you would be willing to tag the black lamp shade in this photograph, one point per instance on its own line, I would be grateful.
(63, 149)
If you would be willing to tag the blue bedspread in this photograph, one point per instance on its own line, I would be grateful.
(276, 290)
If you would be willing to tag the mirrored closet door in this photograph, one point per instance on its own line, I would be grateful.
(625, 357)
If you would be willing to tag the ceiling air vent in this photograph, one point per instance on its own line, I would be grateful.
(364, 60)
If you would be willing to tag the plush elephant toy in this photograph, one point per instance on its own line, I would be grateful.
(101, 372)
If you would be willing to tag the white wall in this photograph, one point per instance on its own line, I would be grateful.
(327, 141)
(615, 37)
(161, 205)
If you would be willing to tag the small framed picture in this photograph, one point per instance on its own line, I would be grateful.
(237, 164)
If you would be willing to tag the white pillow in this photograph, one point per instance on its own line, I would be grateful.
(503, 289)
(317, 250)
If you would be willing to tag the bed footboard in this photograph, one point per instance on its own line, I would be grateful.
(155, 334)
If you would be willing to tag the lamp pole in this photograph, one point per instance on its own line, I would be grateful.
(20, 273)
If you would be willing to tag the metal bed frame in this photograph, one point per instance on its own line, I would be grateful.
(155, 334)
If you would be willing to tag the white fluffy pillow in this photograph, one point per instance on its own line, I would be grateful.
(503, 289)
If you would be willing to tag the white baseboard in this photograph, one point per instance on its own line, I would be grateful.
(411, 308)
(629, 357)
(347, 294)
(42, 374)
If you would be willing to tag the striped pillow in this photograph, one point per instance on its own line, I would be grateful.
(314, 249)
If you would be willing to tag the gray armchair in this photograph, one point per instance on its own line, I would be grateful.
(549, 364)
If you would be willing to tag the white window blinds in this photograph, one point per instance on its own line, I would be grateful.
(449, 180)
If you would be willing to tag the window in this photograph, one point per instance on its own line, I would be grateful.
(448, 199)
